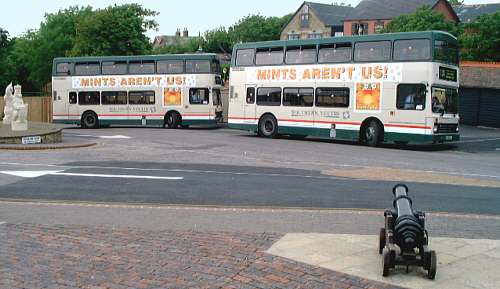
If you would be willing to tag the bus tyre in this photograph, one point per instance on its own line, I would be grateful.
(90, 120)
(172, 120)
(268, 126)
(372, 134)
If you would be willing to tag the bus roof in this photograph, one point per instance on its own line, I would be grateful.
(193, 56)
(343, 39)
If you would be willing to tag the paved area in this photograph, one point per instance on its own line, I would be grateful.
(35, 256)
(462, 263)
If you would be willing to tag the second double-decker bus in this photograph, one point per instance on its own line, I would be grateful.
(166, 90)
(399, 87)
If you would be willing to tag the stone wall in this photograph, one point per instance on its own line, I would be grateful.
(315, 26)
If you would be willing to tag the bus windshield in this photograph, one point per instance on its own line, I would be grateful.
(444, 100)
(446, 51)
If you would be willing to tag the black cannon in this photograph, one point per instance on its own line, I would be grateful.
(404, 239)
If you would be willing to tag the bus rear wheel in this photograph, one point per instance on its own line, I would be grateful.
(90, 120)
(268, 126)
(372, 134)
(172, 120)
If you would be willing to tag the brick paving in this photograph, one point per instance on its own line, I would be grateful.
(37, 256)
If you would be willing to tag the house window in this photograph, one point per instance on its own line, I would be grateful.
(359, 28)
(293, 36)
(315, 35)
(379, 26)
(304, 17)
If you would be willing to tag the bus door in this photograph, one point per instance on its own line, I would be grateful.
(197, 108)
(249, 104)
(72, 105)
(411, 104)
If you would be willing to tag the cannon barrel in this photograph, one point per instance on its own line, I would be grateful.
(408, 232)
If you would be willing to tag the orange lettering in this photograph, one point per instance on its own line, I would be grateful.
(316, 73)
(170, 80)
(336, 73)
(84, 82)
(326, 73)
(284, 72)
(123, 82)
(366, 72)
(350, 70)
(131, 81)
(276, 74)
(293, 74)
(97, 82)
(261, 74)
(105, 80)
(112, 82)
(147, 80)
(178, 80)
(158, 80)
(138, 81)
(377, 72)
(307, 74)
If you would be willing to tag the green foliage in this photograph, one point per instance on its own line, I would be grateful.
(258, 28)
(76, 31)
(217, 41)
(190, 46)
(481, 38)
(422, 19)
(5, 48)
(456, 2)
(115, 30)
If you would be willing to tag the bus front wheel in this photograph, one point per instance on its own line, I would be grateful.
(90, 120)
(268, 126)
(172, 120)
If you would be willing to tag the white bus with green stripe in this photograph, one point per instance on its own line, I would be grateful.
(398, 87)
(165, 90)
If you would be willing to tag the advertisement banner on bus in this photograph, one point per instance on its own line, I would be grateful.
(135, 81)
(368, 97)
(386, 72)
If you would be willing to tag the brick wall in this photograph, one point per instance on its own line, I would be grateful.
(480, 74)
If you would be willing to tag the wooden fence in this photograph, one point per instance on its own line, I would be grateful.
(39, 108)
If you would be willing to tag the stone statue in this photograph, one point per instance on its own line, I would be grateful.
(19, 111)
(7, 111)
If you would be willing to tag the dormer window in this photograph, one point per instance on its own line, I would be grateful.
(304, 17)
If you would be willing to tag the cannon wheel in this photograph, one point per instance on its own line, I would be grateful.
(381, 240)
(431, 272)
(386, 262)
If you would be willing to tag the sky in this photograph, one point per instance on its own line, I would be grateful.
(197, 16)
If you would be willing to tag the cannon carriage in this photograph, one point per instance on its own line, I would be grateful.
(404, 240)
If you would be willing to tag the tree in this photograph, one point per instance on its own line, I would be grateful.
(218, 41)
(115, 30)
(456, 2)
(5, 48)
(258, 28)
(424, 18)
(481, 38)
(190, 46)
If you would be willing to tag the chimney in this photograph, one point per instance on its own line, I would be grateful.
(178, 32)
(185, 33)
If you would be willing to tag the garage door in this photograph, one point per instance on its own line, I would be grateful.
(489, 108)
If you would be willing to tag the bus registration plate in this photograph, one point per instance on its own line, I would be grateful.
(448, 137)
(333, 131)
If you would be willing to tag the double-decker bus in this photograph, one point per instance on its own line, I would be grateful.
(166, 90)
(398, 87)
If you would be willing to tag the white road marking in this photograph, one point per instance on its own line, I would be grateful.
(118, 136)
(117, 176)
(36, 174)
(1, 223)
(114, 136)
(29, 174)
(248, 174)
